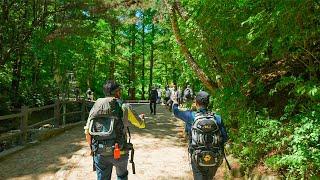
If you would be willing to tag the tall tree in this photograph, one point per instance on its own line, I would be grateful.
(186, 52)
(112, 65)
(143, 57)
(132, 64)
(151, 55)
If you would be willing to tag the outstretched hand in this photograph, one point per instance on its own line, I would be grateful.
(174, 100)
(141, 116)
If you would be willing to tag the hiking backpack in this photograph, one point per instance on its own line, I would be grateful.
(153, 95)
(187, 94)
(106, 126)
(206, 140)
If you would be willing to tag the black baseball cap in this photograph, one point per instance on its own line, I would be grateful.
(203, 98)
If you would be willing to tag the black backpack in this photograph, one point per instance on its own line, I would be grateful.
(206, 140)
(153, 95)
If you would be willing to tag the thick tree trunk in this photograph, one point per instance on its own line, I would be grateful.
(210, 85)
(143, 60)
(151, 57)
(4, 20)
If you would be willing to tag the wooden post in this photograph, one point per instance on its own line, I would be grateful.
(24, 124)
(57, 114)
(64, 110)
(83, 110)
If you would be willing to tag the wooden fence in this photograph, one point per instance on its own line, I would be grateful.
(58, 119)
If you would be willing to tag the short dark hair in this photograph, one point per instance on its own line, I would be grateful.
(202, 98)
(109, 87)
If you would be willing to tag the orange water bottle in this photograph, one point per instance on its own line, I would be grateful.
(116, 152)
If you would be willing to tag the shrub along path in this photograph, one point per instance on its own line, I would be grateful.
(160, 153)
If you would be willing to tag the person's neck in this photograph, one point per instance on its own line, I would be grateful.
(111, 97)
(201, 108)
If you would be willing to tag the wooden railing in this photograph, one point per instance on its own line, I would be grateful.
(137, 101)
(58, 119)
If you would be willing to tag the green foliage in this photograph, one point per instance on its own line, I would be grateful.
(303, 156)
(265, 51)
(299, 87)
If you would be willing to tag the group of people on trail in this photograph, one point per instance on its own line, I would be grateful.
(155, 97)
(175, 93)
(108, 134)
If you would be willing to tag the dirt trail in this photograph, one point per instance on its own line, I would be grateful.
(160, 153)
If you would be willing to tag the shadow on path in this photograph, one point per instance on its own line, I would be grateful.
(162, 125)
(160, 153)
(46, 158)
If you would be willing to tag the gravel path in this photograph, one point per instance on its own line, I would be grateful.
(160, 153)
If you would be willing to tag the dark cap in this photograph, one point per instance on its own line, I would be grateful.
(110, 86)
(203, 98)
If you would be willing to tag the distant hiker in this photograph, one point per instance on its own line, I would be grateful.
(188, 96)
(77, 93)
(174, 95)
(106, 133)
(153, 96)
(159, 94)
(207, 137)
(89, 95)
(167, 95)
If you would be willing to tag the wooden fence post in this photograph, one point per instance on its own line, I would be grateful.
(24, 124)
(83, 110)
(57, 113)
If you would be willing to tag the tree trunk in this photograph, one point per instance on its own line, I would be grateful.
(35, 72)
(132, 79)
(4, 19)
(151, 57)
(113, 52)
(174, 73)
(15, 83)
(143, 60)
(4, 55)
(211, 86)
(45, 12)
(166, 69)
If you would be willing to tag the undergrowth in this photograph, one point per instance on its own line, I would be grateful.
(288, 144)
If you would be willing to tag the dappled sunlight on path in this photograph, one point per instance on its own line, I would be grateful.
(43, 160)
(159, 153)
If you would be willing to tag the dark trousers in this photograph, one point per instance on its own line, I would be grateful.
(104, 166)
(202, 173)
(153, 106)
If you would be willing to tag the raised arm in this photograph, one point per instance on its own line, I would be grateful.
(185, 116)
